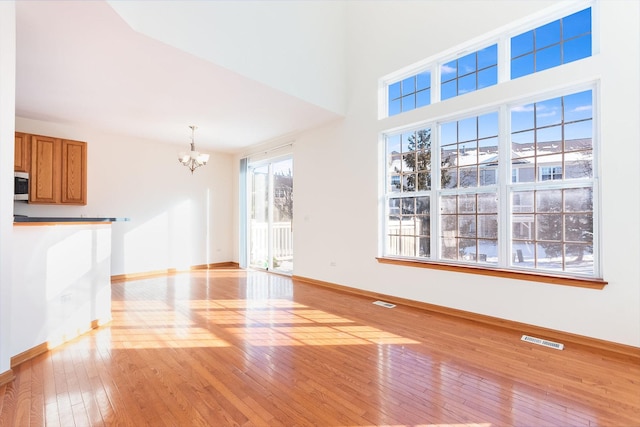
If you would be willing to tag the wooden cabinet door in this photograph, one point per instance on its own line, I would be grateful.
(45, 179)
(74, 172)
(22, 159)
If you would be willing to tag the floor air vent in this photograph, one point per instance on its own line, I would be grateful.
(545, 343)
(384, 304)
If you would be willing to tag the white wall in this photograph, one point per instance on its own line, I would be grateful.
(177, 219)
(61, 284)
(305, 55)
(337, 167)
(7, 109)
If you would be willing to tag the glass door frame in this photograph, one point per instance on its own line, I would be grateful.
(251, 168)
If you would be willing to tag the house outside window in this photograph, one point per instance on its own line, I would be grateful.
(553, 136)
(550, 173)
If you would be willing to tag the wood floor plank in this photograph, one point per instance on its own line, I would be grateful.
(3, 391)
(63, 394)
(37, 414)
(123, 409)
(23, 409)
(245, 348)
(94, 393)
(49, 398)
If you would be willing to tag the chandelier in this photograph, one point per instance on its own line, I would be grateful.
(193, 159)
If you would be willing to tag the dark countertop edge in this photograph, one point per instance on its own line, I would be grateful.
(53, 219)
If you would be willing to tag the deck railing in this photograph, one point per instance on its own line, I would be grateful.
(282, 241)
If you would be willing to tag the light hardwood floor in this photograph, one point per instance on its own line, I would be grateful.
(237, 348)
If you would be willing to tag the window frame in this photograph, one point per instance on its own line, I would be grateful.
(500, 36)
(551, 172)
(503, 189)
(414, 93)
(476, 71)
(432, 65)
(505, 185)
(547, 20)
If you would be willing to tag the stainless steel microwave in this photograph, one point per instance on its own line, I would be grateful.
(21, 186)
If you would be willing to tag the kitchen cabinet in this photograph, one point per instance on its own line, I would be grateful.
(45, 182)
(58, 171)
(22, 157)
(74, 172)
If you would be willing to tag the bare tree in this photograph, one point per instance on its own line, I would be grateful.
(283, 195)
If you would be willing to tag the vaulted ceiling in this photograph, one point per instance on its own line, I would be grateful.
(244, 72)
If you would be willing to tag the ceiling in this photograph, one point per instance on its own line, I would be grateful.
(80, 63)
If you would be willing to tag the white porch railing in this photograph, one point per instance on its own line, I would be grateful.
(282, 241)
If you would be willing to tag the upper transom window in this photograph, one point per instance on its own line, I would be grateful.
(564, 40)
(558, 42)
(410, 93)
(469, 73)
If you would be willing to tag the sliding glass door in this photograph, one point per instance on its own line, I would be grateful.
(270, 236)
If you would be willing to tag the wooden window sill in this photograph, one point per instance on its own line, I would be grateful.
(497, 272)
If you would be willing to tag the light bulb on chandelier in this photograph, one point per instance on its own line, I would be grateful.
(193, 159)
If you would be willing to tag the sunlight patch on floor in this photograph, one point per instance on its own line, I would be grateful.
(167, 337)
(278, 322)
(317, 335)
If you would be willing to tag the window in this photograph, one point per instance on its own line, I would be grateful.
(552, 227)
(410, 93)
(550, 193)
(469, 149)
(409, 161)
(553, 136)
(548, 173)
(409, 166)
(469, 159)
(409, 227)
(469, 227)
(558, 42)
(469, 73)
(508, 185)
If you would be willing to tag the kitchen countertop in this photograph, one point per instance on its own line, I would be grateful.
(18, 219)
